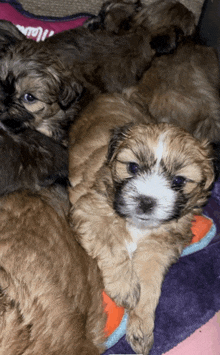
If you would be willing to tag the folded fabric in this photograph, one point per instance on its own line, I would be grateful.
(38, 27)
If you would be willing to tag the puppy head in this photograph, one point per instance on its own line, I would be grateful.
(31, 81)
(160, 173)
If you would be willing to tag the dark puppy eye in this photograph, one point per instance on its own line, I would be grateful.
(178, 182)
(28, 98)
(133, 168)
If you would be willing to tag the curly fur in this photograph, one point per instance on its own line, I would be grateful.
(135, 187)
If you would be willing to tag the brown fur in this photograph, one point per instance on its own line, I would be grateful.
(183, 88)
(105, 61)
(53, 79)
(50, 289)
(98, 169)
(30, 160)
(33, 82)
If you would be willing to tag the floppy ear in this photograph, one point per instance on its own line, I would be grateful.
(118, 135)
(9, 35)
(70, 91)
(209, 168)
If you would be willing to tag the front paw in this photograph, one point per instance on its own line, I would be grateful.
(125, 292)
(140, 333)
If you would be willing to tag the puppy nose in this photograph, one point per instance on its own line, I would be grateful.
(146, 204)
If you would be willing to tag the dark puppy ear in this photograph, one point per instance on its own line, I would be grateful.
(70, 92)
(118, 135)
(9, 35)
(167, 42)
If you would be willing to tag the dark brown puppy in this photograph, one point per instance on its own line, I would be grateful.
(183, 88)
(33, 82)
(104, 58)
(47, 79)
(50, 289)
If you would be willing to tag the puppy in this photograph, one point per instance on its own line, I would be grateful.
(55, 78)
(183, 88)
(134, 194)
(106, 57)
(33, 81)
(50, 289)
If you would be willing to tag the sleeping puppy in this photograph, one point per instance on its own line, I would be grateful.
(135, 188)
(183, 88)
(50, 289)
(107, 60)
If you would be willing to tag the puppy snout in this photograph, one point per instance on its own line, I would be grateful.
(145, 204)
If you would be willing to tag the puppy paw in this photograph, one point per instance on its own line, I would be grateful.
(125, 292)
(140, 334)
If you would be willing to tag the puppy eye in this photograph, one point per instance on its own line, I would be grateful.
(178, 182)
(29, 98)
(133, 168)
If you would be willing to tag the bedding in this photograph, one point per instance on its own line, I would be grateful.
(190, 296)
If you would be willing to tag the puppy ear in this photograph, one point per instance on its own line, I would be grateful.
(209, 167)
(216, 158)
(9, 35)
(167, 42)
(118, 135)
(70, 92)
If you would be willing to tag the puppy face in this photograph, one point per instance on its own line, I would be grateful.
(32, 81)
(160, 173)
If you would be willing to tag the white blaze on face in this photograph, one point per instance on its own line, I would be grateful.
(152, 185)
(159, 150)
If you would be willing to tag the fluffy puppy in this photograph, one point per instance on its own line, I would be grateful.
(134, 193)
(107, 60)
(53, 79)
(33, 81)
(118, 16)
(183, 88)
(50, 289)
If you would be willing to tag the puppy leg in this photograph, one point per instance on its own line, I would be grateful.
(103, 234)
(151, 261)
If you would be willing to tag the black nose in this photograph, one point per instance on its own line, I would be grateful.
(145, 204)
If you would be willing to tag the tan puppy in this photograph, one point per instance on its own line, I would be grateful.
(183, 88)
(134, 193)
(50, 289)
